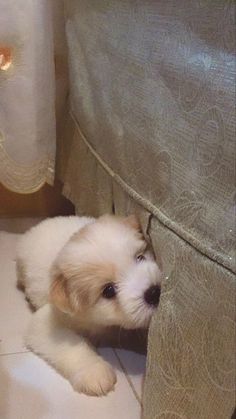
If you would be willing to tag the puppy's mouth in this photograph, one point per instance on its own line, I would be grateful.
(142, 315)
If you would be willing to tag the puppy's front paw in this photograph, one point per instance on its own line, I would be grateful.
(95, 380)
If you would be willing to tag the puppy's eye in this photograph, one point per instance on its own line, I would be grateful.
(109, 291)
(140, 258)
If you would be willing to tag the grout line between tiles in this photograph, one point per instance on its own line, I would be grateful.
(128, 378)
(16, 353)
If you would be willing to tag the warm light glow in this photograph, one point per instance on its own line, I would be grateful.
(5, 58)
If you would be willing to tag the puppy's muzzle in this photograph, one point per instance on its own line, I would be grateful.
(152, 295)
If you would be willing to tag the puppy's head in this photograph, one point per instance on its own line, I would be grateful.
(105, 276)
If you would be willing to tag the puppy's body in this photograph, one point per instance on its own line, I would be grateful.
(83, 275)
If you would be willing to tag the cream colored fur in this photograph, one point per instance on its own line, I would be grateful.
(64, 264)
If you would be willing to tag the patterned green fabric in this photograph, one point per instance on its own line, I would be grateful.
(152, 130)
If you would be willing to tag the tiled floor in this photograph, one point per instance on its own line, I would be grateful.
(31, 389)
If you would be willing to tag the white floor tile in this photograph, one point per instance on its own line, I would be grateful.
(30, 389)
(134, 365)
(15, 312)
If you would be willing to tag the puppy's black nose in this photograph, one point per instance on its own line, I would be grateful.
(152, 295)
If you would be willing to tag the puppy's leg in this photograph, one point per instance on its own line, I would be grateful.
(70, 354)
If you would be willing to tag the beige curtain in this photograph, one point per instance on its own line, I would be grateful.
(32, 46)
(153, 132)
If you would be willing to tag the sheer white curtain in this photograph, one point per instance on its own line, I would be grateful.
(31, 43)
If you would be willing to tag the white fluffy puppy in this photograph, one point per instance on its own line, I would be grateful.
(83, 275)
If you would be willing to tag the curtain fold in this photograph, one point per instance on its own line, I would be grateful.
(31, 93)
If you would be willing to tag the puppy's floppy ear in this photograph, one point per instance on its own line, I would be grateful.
(58, 294)
(133, 222)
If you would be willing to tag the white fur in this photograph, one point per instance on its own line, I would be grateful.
(37, 251)
(65, 247)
